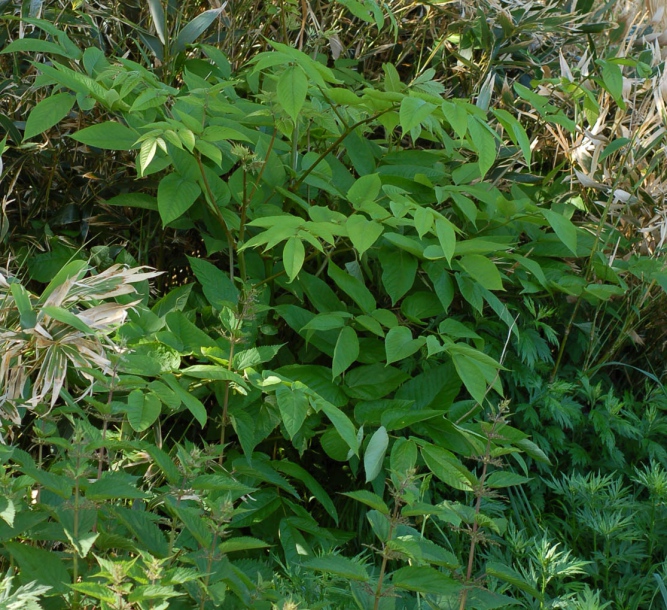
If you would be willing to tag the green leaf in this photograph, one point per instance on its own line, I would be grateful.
(7, 511)
(508, 575)
(399, 344)
(218, 289)
(483, 142)
(142, 410)
(369, 499)
(341, 422)
(363, 233)
(457, 117)
(114, 485)
(474, 374)
(214, 372)
(413, 112)
(502, 478)
(39, 565)
(338, 565)
(444, 231)
(175, 196)
(28, 317)
(108, 135)
(144, 528)
(241, 543)
(191, 403)
(398, 273)
(515, 131)
(291, 90)
(612, 78)
(293, 405)
(351, 286)
(346, 351)
(482, 270)
(375, 452)
(403, 457)
(447, 468)
(364, 190)
(293, 257)
(564, 229)
(134, 200)
(424, 579)
(47, 113)
(195, 28)
(319, 493)
(34, 45)
(250, 358)
(67, 317)
(96, 591)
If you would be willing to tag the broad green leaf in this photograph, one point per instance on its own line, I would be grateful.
(484, 144)
(369, 499)
(413, 112)
(341, 422)
(346, 351)
(515, 131)
(96, 591)
(109, 135)
(143, 526)
(47, 113)
(175, 196)
(564, 229)
(444, 231)
(352, 287)
(34, 45)
(291, 90)
(501, 478)
(375, 452)
(447, 468)
(364, 190)
(482, 270)
(612, 77)
(403, 457)
(218, 289)
(507, 574)
(471, 375)
(28, 317)
(296, 472)
(192, 404)
(422, 550)
(293, 257)
(293, 405)
(134, 200)
(254, 356)
(142, 409)
(190, 336)
(67, 317)
(159, 21)
(398, 273)
(399, 344)
(457, 117)
(7, 511)
(424, 579)
(397, 419)
(195, 28)
(40, 565)
(339, 566)
(114, 485)
(363, 233)
(241, 543)
(214, 372)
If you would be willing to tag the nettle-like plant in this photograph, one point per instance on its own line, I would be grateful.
(367, 261)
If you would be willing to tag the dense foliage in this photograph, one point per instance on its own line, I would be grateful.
(343, 305)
